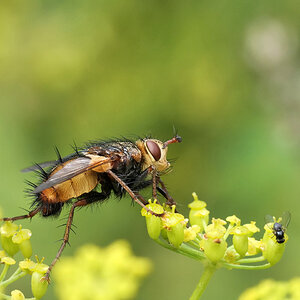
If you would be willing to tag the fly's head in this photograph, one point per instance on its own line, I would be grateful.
(154, 152)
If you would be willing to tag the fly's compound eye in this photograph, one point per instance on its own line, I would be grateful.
(154, 150)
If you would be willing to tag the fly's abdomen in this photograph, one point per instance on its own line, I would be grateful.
(72, 188)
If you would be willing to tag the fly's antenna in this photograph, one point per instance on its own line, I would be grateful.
(175, 139)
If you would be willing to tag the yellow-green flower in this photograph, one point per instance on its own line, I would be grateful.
(30, 266)
(269, 289)
(27, 265)
(240, 239)
(38, 285)
(252, 227)
(254, 246)
(190, 233)
(233, 220)
(17, 295)
(8, 260)
(198, 215)
(110, 273)
(154, 223)
(216, 229)
(174, 223)
(7, 230)
(214, 249)
(22, 238)
(272, 251)
(231, 255)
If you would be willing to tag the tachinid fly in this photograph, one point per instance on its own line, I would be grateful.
(118, 166)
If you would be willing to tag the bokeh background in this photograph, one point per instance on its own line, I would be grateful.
(225, 74)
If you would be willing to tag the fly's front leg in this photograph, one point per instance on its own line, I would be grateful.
(131, 193)
(154, 183)
(163, 190)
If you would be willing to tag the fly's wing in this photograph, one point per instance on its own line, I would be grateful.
(40, 166)
(73, 168)
(286, 218)
(269, 219)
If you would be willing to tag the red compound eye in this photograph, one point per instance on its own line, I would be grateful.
(154, 149)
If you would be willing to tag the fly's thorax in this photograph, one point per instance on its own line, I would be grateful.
(154, 153)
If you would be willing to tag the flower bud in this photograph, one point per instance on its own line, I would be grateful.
(240, 243)
(17, 295)
(153, 226)
(164, 233)
(38, 286)
(240, 239)
(231, 255)
(7, 230)
(198, 215)
(174, 224)
(154, 223)
(22, 238)
(214, 249)
(176, 234)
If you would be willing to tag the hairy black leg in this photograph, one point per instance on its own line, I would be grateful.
(29, 215)
(84, 200)
(164, 192)
(131, 193)
(154, 183)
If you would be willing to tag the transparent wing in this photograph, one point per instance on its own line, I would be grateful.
(70, 170)
(286, 218)
(269, 219)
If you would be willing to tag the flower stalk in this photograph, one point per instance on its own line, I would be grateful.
(209, 270)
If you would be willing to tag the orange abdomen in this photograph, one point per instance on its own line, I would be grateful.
(72, 188)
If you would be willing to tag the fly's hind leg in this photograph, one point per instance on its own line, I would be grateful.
(84, 200)
(28, 216)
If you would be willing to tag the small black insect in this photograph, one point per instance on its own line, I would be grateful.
(279, 226)
(118, 166)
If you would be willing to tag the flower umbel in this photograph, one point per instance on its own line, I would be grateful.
(106, 273)
(210, 243)
(13, 240)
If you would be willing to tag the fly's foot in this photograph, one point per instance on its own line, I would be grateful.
(46, 277)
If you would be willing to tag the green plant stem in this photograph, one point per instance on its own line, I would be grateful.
(4, 297)
(17, 275)
(250, 260)
(4, 271)
(227, 232)
(183, 249)
(245, 267)
(209, 270)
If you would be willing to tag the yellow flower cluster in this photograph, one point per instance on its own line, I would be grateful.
(95, 273)
(275, 290)
(211, 238)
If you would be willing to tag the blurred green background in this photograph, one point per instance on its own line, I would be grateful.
(225, 74)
